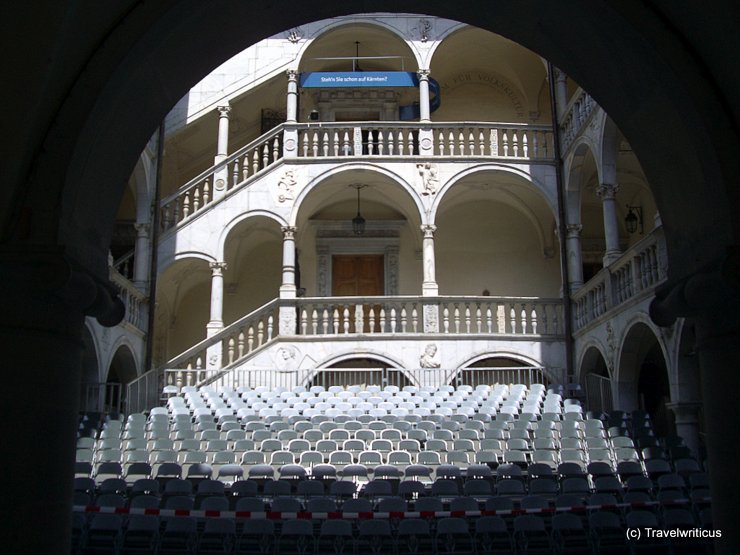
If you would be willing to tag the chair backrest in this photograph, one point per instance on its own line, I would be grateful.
(452, 525)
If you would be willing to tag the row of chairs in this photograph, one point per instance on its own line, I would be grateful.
(563, 532)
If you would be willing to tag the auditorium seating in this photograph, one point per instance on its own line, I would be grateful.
(455, 470)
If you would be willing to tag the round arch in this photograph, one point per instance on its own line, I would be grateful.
(594, 376)
(336, 25)
(527, 177)
(641, 374)
(510, 362)
(246, 216)
(168, 261)
(393, 177)
(389, 371)
(121, 371)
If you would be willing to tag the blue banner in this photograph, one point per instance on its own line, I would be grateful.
(352, 79)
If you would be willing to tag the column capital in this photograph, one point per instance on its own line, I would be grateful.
(607, 191)
(573, 230)
(142, 229)
(292, 74)
(289, 232)
(428, 230)
(559, 74)
(224, 110)
(423, 74)
(685, 411)
(217, 268)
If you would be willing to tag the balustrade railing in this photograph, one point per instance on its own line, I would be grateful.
(509, 141)
(236, 341)
(576, 115)
(241, 166)
(639, 269)
(500, 315)
(452, 315)
(462, 139)
(125, 265)
(133, 299)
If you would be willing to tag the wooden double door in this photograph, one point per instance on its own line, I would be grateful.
(358, 276)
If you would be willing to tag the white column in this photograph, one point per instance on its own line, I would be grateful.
(291, 112)
(429, 286)
(221, 176)
(222, 146)
(290, 133)
(575, 261)
(216, 323)
(142, 256)
(288, 288)
(424, 114)
(561, 91)
(608, 194)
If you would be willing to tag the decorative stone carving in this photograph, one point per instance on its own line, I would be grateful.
(286, 186)
(323, 268)
(295, 34)
(431, 322)
(213, 361)
(611, 346)
(392, 265)
(289, 232)
(217, 268)
(423, 29)
(429, 179)
(607, 191)
(430, 357)
(286, 358)
(573, 230)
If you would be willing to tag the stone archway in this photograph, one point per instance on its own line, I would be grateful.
(122, 371)
(596, 381)
(360, 370)
(643, 377)
(124, 67)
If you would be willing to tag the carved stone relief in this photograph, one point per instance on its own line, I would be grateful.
(429, 181)
(286, 186)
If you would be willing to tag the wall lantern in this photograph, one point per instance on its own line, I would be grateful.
(633, 220)
(358, 222)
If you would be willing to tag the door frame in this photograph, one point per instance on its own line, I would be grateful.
(381, 237)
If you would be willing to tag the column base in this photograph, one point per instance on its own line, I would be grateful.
(213, 327)
(610, 257)
(288, 291)
(429, 290)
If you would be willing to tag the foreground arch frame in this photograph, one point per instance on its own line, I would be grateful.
(77, 123)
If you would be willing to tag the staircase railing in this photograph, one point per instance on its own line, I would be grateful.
(243, 165)
(510, 141)
(577, 114)
(640, 269)
(237, 340)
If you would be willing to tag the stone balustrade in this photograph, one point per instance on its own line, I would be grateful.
(576, 115)
(133, 299)
(237, 169)
(468, 139)
(232, 343)
(638, 271)
(305, 141)
(448, 315)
